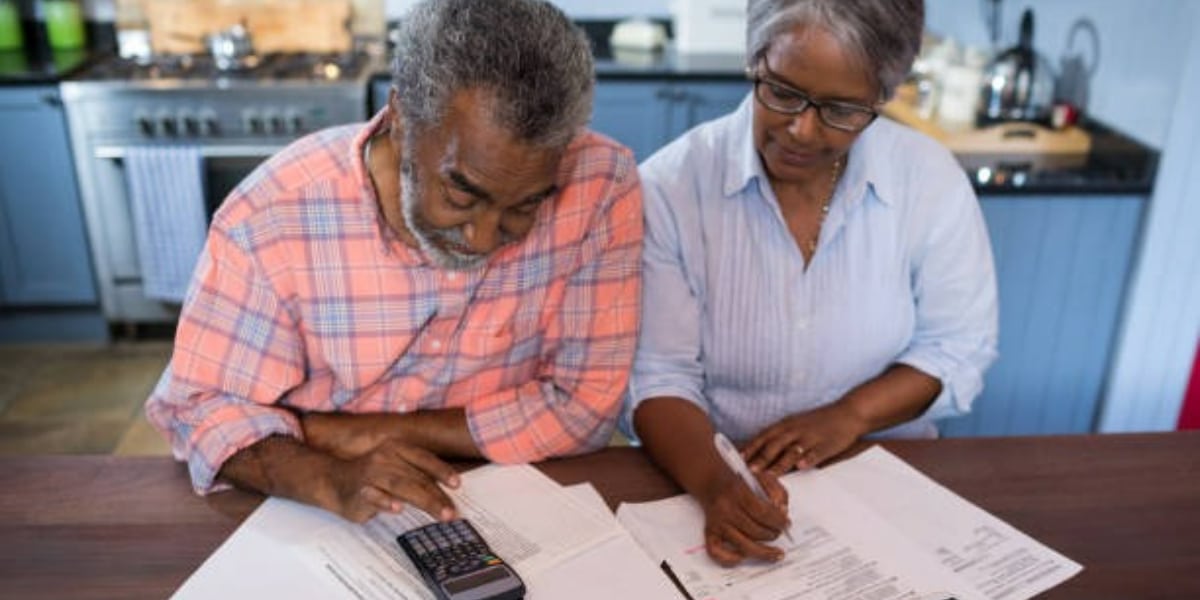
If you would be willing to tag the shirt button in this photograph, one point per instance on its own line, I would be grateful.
(437, 344)
(452, 276)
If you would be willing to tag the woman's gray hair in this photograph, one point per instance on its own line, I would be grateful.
(527, 53)
(884, 34)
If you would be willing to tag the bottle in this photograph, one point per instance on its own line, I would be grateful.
(10, 26)
(64, 24)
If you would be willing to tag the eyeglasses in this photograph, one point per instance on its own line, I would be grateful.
(787, 100)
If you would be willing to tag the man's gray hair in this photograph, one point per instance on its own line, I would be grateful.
(884, 34)
(527, 53)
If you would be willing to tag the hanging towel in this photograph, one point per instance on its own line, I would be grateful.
(166, 193)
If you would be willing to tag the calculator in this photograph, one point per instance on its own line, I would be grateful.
(457, 563)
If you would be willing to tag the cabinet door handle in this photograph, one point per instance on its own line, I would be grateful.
(52, 100)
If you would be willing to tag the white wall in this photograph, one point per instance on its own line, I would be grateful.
(1150, 370)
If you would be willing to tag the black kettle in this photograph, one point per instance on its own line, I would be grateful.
(1018, 85)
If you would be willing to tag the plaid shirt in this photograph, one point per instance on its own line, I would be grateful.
(305, 300)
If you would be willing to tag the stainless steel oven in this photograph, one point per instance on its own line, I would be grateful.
(234, 120)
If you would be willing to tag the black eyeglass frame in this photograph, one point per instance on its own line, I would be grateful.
(808, 101)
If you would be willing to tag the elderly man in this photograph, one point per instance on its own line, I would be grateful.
(457, 278)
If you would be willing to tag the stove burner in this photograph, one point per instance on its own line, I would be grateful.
(202, 67)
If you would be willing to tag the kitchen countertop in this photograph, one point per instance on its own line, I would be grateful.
(1115, 163)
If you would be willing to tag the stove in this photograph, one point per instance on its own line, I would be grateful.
(235, 119)
(202, 69)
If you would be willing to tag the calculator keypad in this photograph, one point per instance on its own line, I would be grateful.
(450, 548)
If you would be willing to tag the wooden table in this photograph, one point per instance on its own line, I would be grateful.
(1125, 506)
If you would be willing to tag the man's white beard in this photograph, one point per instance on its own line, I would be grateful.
(426, 235)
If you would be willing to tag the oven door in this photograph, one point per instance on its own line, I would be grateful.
(224, 167)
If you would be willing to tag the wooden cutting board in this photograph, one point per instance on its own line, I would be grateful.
(179, 26)
(1013, 138)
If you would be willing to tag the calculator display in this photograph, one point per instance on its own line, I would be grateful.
(475, 579)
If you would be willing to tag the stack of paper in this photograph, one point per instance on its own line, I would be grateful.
(869, 527)
(563, 542)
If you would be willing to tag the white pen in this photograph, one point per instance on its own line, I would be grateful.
(729, 453)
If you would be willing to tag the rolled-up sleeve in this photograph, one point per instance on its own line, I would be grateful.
(954, 291)
(237, 352)
(571, 406)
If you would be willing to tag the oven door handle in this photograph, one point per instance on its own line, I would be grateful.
(227, 151)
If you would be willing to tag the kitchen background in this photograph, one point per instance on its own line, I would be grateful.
(1099, 259)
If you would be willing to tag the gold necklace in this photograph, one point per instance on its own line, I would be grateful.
(833, 179)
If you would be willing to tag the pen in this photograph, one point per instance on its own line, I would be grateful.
(733, 458)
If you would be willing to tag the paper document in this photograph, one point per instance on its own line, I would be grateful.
(562, 541)
(529, 520)
(868, 527)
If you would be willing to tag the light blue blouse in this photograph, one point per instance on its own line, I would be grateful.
(733, 322)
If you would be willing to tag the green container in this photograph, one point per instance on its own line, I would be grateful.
(64, 24)
(10, 25)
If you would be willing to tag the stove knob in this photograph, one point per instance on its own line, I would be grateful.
(168, 126)
(145, 125)
(295, 121)
(191, 126)
(256, 125)
(209, 125)
(278, 125)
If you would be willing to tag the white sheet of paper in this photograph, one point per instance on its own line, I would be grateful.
(871, 526)
(997, 559)
(289, 550)
(841, 550)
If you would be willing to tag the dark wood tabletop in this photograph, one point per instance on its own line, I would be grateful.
(1127, 507)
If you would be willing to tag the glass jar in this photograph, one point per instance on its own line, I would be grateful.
(10, 26)
(64, 24)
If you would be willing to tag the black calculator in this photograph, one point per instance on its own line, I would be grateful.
(458, 564)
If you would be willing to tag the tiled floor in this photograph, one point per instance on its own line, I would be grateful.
(79, 399)
(83, 399)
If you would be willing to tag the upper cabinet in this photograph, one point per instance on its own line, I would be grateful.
(44, 259)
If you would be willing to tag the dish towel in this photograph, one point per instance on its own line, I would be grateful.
(166, 194)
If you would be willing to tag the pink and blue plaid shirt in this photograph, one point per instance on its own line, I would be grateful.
(305, 300)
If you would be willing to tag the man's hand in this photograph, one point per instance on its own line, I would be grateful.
(346, 436)
(737, 523)
(388, 477)
(804, 440)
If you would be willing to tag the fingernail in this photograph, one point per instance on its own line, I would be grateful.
(396, 506)
(452, 481)
(447, 514)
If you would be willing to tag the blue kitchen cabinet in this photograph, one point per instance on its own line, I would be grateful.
(44, 258)
(1062, 264)
(647, 114)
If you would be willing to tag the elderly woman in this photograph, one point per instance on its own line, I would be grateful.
(813, 273)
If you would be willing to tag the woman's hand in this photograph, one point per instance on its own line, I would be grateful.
(737, 523)
(805, 440)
